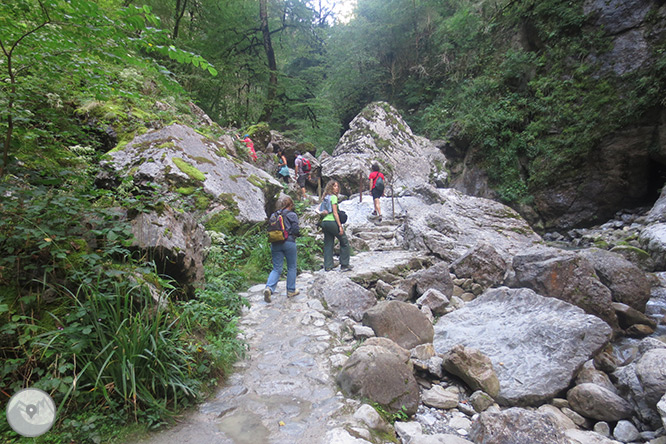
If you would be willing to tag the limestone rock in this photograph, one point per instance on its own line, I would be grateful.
(536, 344)
(342, 296)
(176, 242)
(516, 425)
(472, 367)
(596, 402)
(401, 322)
(566, 276)
(379, 134)
(382, 376)
(483, 264)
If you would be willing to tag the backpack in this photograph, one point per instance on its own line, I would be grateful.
(305, 165)
(277, 228)
(325, 205)
(379, 184)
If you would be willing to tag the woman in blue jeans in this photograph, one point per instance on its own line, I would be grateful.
(333, 229)
(284, 250)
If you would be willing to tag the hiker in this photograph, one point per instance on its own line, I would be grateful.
(250, 145)
(282, 168)
(377, 190)
(303, 168)
(284, 250)
(332, 227)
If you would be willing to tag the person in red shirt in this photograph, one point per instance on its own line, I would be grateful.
(250, 144)
(377, 190)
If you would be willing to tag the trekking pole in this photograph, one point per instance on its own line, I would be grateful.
(392, 203)
(319, 184)
(360, 187)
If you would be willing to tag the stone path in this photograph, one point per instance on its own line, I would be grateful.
(284, 391)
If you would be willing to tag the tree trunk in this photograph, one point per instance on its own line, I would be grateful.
(180, 12)
(272, 64)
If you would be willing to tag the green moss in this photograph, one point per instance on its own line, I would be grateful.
(201, 159)
(191, 171)
(256, 181)
(223, 222)
(201, 202)
(186, 191)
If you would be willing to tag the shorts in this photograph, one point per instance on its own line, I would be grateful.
(376, 194)
(301, 180)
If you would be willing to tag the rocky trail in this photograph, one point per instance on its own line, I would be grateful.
(283, 392)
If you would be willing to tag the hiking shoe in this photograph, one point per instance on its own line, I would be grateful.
(374, 213)
(379, 219)
(267, 294)
(346, 267)
(291, 294)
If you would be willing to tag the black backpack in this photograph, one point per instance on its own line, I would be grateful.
(277, 228)
(379, 184)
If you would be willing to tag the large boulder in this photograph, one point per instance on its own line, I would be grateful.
(182, 160)
(448, 224)
(401, 322)
(176, 242)
(381, 375)
(483, 264)
(379, 134)
(567, 276)
(536, 344)
(628, 283)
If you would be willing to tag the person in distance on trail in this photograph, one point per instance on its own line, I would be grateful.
(376, 191)
(332, 228)
(250, 145)
(282, 168)
(284, 250)
(301, 174)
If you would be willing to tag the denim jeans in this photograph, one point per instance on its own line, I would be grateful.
(331, 231)
(279, 252)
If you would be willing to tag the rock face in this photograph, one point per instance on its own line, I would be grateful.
(618, 171)
(536, 344)
(379, 134)
(178, 157)
(381, 375)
